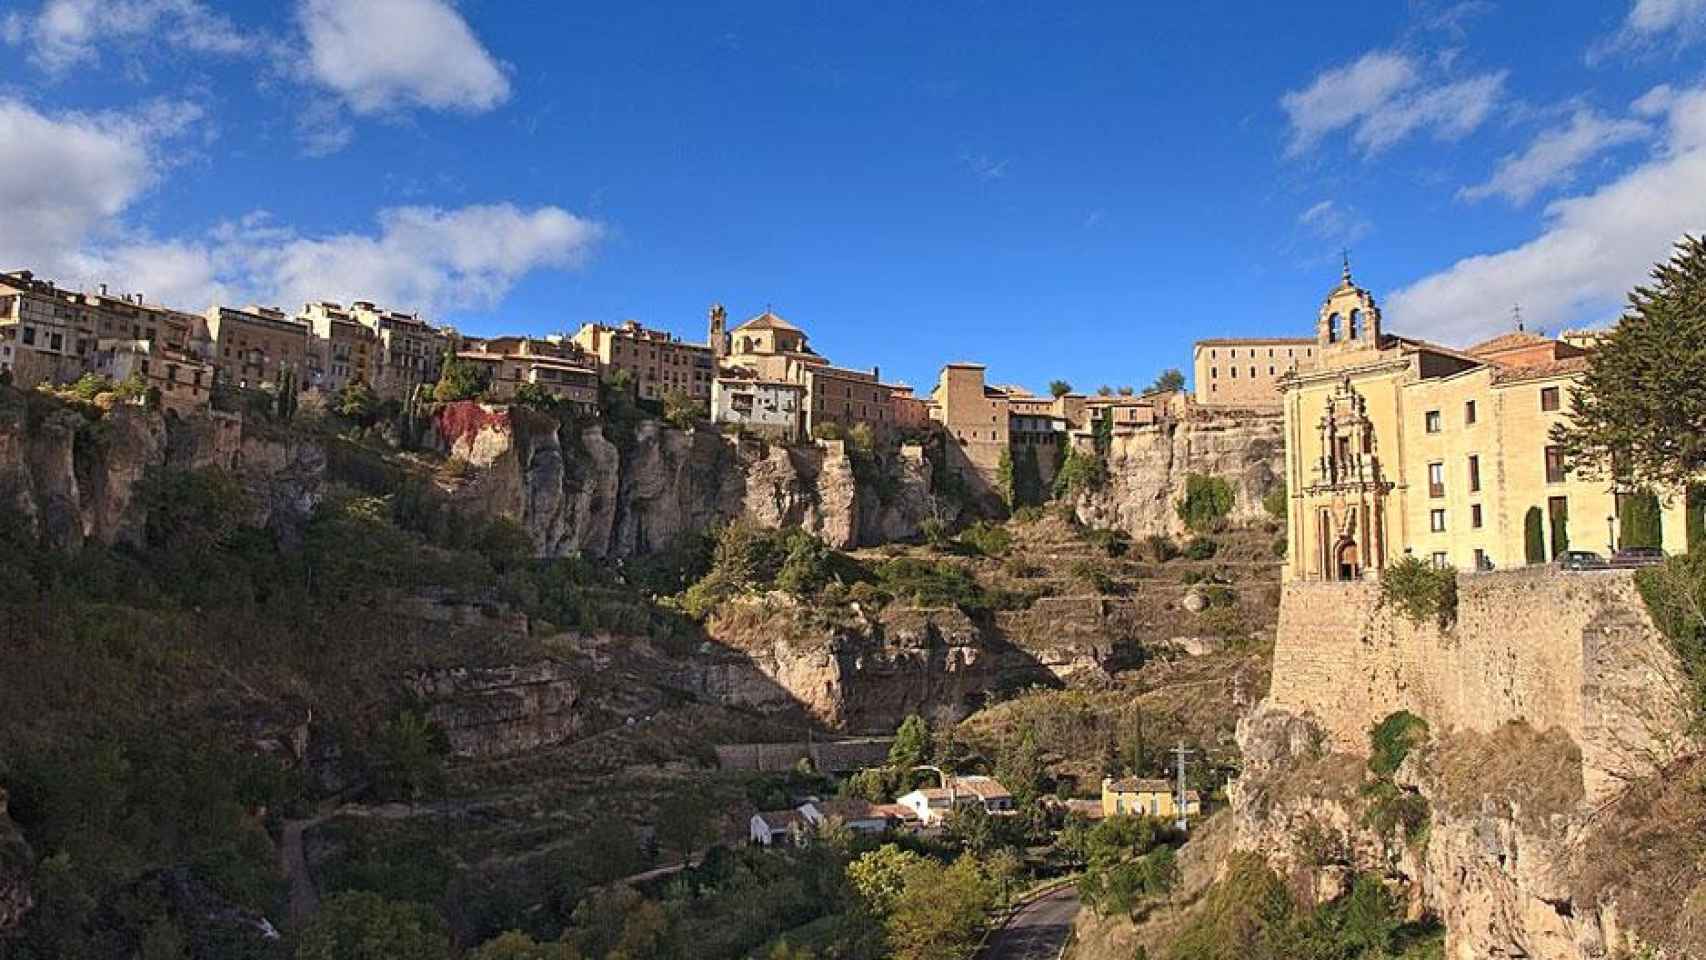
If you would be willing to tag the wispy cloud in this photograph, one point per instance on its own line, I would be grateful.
(1335, 223)
(1384, 97)
(1652, 24)
(1594, 248)
(1554, 156)
(983, 166)
(62, 34)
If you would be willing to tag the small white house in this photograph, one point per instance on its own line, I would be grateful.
(856, 815)
(931, 805)
(777, 827)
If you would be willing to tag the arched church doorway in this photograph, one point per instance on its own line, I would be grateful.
(1347, 561)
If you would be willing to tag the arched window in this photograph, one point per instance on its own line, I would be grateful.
(1333, 328)
(1356, 324)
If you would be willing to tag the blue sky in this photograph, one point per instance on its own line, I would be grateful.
(1071, 190)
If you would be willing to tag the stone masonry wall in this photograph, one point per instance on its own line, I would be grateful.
(1572, 651)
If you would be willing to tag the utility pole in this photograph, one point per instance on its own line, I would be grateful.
(1179, 756)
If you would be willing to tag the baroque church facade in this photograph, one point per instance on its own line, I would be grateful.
(1397, 446)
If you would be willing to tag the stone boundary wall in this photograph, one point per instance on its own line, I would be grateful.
(835, 756)
(1576, 651)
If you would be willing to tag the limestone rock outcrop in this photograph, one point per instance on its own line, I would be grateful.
(70, 479)
(574, 490)
(498, 711)
(1148, 467)
(866, 672)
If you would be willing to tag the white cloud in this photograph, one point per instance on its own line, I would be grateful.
(1552, 159)
(1335, 222)
(1382, 98)
(381, 55)
(66, 184)
(65, 33)
(1651, 23)
(63, 178)
(1594, 248)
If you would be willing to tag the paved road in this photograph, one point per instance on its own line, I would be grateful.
(1038, 930)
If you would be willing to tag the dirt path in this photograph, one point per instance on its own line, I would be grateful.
(304, 898)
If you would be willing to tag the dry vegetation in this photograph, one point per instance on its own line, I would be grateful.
(1538, 775)
(1649, 857)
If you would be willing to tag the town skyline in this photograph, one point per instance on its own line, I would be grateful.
(902, 199)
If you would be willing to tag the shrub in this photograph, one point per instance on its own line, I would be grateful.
(1420, 591)
(681, 410)
(1533, 536)
(1276, 502)
(1028, 514)
(1639, 523)
(1206, 504)
(1201, 548)
(1391, 740)
(989, 539)
(1159, 548)
(1675, 596)
(1092, 576)
(1220, 595)
(928, 584)
(935, 532)
(1224, 622)
(459, 379)
(1695, 513)
(1079, 473)
(1114, 543)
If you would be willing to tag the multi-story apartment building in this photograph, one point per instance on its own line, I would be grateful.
(1397, 446)
(409, 352)
(52, 335)
(341, 350)
(656, 361)
(1245, 371)
(768, 349)
(775, 409)
(183, 381)
(260, 347)
(553, 364)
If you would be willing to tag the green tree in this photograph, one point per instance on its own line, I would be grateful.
(1534, 536)
(1695, 514)
(1102, 433)
(515, 945)
(1276, 502)
(1104, 391)
(682, 410)
(1004, 478)
(684, 822)
(1005, 870)
(459, 379)
(940, 915)
(1027, 479)
(1059, 388)
(1639, 413)
(366, 926)
(1127, 390)
(1560, 532)
(357, 403)
(1639, 523)
(1206, 504)
(1079, 473)
(911, 743)
(1171, 380)
(879, 877)
(1019, 766)
(410, 761)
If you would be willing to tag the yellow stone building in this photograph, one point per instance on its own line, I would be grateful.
(1397, 446)
(1142, 797)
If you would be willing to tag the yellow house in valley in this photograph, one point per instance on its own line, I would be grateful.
(1397, 446)
(1138, 796)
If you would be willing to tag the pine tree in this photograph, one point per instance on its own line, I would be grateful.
(1639, 416)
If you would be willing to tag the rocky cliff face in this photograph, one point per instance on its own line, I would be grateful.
(1147, 469)
(72, 480)
(866, 672)
(1507, 854)
(574, 490)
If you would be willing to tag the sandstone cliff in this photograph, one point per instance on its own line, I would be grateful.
(69, 479)
(1148, 466)
(1546, 701)
(574, 490)
(865, 672)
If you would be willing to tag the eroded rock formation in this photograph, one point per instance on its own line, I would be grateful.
(1148, 467)
(574, 490)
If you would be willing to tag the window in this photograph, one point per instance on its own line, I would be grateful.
(1481, 559)
(1430, 421)
(1554, 464)
(1440, 562)
(1475, 516)
(29, 336)
(1333, 328)
(1436, 480)
(1436, 521)
(1469, 413)
(1548, 398)
(1234, 372)
(1356, 324)
(1474, 474)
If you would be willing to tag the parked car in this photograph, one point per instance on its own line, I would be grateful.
(1637, 557)
(1580, 560)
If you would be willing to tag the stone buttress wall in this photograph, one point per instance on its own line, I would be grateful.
(1573, 651)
